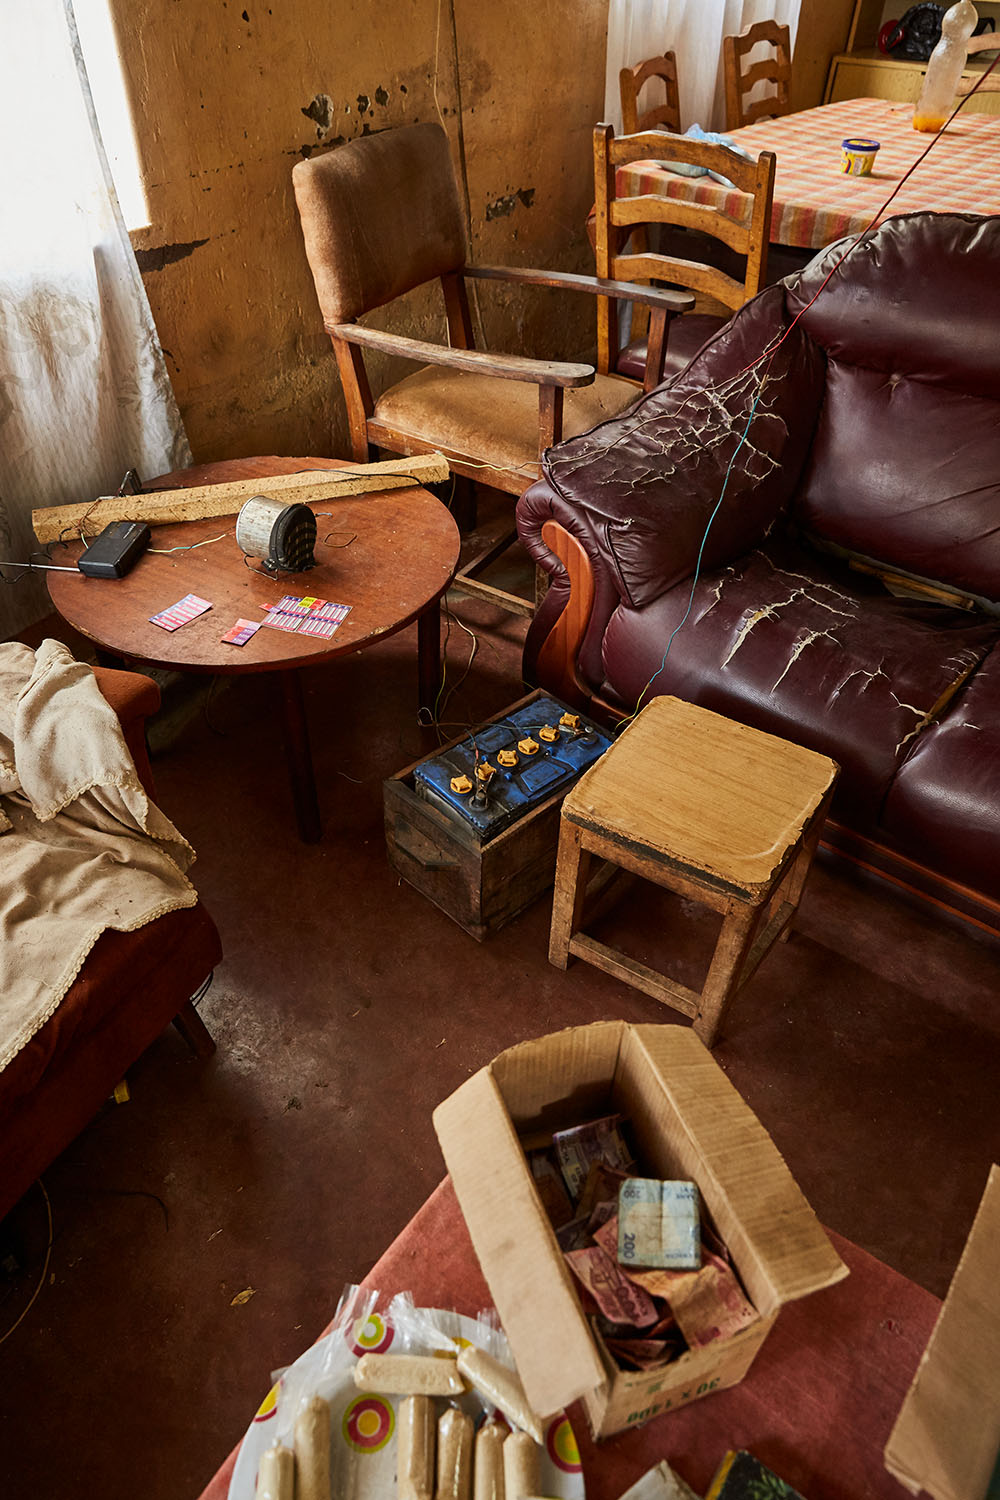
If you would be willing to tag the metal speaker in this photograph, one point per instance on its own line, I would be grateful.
(283, 536)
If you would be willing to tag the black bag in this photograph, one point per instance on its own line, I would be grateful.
(917, 34)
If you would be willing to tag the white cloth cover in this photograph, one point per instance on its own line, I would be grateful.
(693, 31)
(82, 848)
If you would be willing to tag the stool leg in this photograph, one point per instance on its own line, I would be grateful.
(739, 928)
(800, 870)
(572, 870)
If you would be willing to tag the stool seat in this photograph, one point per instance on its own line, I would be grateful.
(711, 809)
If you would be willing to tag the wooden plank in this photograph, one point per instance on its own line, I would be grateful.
(163, 508)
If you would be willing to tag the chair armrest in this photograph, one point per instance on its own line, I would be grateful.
(504, 366)
(671, 302)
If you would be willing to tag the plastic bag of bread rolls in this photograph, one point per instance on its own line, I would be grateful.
(501, 1386)
(276, 1474)
(408, 1375)
(522, 1466)
(312, 1451)
(416, 1434)
(487, 1478)
(454, 1455)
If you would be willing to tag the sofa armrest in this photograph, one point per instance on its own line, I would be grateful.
(134, 697)
(644, 489)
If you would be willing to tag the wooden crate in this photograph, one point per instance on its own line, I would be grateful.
(480, 884)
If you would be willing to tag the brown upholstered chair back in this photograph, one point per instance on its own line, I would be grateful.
(379, 217)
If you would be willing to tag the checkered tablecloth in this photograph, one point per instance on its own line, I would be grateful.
(815, 202)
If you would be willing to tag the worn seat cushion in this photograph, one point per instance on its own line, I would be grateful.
(496, 420)
(789, 642)
(943, 809)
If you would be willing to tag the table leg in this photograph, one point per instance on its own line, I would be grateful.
(299, 758)
(429, 657)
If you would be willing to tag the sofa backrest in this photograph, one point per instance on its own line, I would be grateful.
(905, 461)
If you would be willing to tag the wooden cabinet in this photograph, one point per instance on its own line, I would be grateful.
(862, 72)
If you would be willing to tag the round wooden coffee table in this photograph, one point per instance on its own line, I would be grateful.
(390, 555)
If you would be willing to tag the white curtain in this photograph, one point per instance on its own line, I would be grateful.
(693, 31)
(84, 392)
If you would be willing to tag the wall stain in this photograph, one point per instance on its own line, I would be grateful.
(381, 96)
(165, 255)
(364, 104)
(320, 111)
(501, 207)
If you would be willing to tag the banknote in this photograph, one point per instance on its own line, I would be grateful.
(600, 1189)
(574, 1236)
(611, 1289)
(710, 1304)
(551, 1188)
(598, 1140)
(658, 1224)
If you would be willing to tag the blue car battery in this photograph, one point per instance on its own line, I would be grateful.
(510, 765)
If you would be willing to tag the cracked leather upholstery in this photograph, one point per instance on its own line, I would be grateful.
(874, 436)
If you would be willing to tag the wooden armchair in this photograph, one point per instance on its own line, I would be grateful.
(622, 224)
(742, 76)
(631, 82)
(382, 216)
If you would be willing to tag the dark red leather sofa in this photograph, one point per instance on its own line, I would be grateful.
(824, 541)
(131, 986)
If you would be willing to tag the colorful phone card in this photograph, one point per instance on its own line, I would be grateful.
(185, 610)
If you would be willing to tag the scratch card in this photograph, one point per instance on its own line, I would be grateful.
(188, 608)
(308, 616)
(241, 632)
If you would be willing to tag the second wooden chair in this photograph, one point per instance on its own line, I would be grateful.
(740, 230)
(742, 76)
(631, 82)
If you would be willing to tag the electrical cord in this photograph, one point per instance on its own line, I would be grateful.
(45, 1268)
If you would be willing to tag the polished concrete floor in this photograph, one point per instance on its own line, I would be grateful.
(346, 1007)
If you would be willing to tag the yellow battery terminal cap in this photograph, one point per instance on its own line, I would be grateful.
(460, 785)
(528, 746)
(484, 771)
(507, 757)
(548, 733)
(569, 721)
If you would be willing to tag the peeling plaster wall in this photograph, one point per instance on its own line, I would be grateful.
(228, 97)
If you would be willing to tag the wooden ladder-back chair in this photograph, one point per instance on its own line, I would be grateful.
(742, 233)
(630, 84)
(382, 216)
(742, 77)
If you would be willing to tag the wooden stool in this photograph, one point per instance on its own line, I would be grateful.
(723, 814)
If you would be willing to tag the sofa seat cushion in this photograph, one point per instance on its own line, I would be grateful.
(791, 643)
(943, 809)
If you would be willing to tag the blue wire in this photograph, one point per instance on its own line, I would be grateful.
(701, 550)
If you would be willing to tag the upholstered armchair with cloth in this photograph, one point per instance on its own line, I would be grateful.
(103, 938)
(802, 531)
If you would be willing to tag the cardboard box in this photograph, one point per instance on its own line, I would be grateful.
(947, 1436)
(687, 1120)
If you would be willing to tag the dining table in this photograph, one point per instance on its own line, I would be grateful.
(816, 201)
